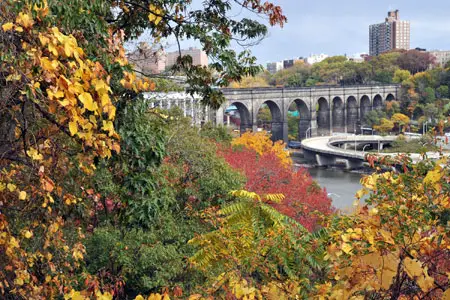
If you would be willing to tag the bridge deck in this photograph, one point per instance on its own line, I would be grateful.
(324, 145)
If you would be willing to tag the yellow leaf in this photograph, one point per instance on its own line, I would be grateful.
(73, 128)
(18, 281)
(27, 234)
(139, 297)
(22, 195)
(13, 243)
(34, 154)
(52, 49)
(387, 236)
(101, 87)
(11, 187)
(413, 267)
(386, 278)
(77, 255)
(361, 193)
(108, 126)
(373, 211)
(425, 282)
(347, 248)
(7, 26)
(87, 101)
(433, 176)
(25, 20)
(103, 296)
(155, 14)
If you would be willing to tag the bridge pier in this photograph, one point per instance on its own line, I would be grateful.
(351, 164)
(325, 160)
(309, 155)
(278, 131)
(285, 132)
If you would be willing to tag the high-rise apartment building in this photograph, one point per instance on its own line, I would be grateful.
(442, 57)
(274, 67)
(392, 34)
(199, 57)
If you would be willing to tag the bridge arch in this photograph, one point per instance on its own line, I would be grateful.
(365, 106)
(276, 123)
(323, 117)
(304, 118)
(352, 114)
(245, 118)
(390, 97)
(378, 102)
(338, 115)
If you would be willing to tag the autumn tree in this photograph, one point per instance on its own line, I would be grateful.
(396, 246)
(250, 82)
(415, 61)
(66, 87)
(400, 120)
(384, 126)
(267, 169)
(401, 75)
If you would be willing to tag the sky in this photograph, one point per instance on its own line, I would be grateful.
(338, 27)
(342, 27)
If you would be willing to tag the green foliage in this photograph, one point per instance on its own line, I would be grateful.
(142, 238)
(219, 134)
(374, 117)
(442, 91)
(263, 244)
(428, 95)
(402, 145)
(384, 126)
(293, 125)
(401, 75)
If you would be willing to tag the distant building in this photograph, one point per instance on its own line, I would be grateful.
(389, 35)
(148, 60)
(359, 57)
(442, 57)
(199, 57)
(274, 67)
(315, 58)
(356, 59)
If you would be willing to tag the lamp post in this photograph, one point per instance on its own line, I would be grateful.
(307, 130)
(365, 147)
(423, 127)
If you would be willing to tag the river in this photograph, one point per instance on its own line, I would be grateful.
(341, 185)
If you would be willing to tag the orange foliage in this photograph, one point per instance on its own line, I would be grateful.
(261, 143)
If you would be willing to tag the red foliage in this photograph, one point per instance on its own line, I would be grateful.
(265, 174)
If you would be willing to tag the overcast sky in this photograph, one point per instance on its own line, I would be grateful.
(342, 27)
(337, 27)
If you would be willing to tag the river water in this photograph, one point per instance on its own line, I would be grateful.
(341, 185)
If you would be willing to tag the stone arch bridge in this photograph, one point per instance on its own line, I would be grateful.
(323, 110)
